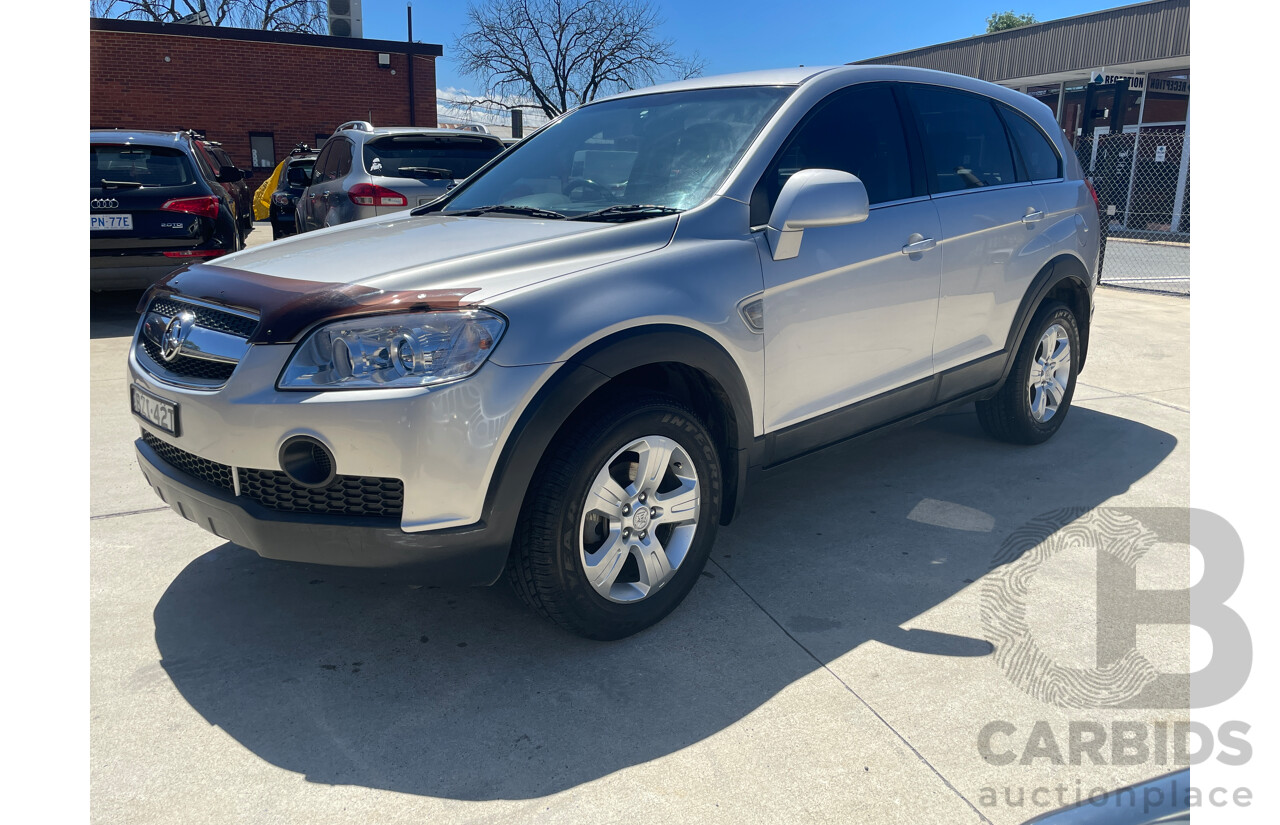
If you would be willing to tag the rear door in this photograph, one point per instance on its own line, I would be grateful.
(329, 201)
(129, 185)
(308, 204)
(991, 218)
(424, 167)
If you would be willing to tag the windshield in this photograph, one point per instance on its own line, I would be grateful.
(138, 165)
(669, 150)
(430, 158)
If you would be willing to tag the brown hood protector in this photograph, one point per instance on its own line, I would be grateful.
(288, 306)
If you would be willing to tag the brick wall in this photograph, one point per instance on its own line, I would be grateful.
(229, 88)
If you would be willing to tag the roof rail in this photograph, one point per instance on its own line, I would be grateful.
(301, 149)
(356, 125)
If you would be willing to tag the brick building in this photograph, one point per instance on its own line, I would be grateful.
(257, 92)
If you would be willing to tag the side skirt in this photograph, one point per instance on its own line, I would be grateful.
(883, 413)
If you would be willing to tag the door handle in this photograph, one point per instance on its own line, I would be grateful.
(1033, 216)
(917, 243)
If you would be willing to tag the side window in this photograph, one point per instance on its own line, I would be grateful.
(1039, 159)
(965, 145)
(858, 131)
(341, 159)
(207, 164)
(326, 157)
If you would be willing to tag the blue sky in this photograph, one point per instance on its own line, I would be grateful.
(755, 34)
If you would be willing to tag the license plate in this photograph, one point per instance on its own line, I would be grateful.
(155, 410)
(98, 223)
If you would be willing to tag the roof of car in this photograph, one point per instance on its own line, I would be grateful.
(145, 136)
(799, 75)
(383, 131)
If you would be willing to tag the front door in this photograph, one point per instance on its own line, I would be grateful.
(852, 316)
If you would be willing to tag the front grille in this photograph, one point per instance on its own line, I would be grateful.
(189, 367)
(210, 472)
(345, 496)
(207, 317)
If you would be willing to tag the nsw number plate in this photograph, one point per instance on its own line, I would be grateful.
(155, 410)
(97, 223)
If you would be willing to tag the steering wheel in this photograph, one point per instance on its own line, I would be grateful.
(588, 187)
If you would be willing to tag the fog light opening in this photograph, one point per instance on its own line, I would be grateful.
(307, 462)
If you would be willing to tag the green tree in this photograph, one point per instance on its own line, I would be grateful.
(1004, 20)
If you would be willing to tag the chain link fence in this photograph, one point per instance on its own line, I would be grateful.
(1143, 180)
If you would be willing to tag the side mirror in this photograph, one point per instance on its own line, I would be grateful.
(248, 173)
(813, 198)
(230, 174)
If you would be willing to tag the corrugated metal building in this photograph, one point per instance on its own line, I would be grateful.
(1107, 74)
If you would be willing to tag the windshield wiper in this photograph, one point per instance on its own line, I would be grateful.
(531, 211)
(121, 184)
(432, 172)
(627, 212)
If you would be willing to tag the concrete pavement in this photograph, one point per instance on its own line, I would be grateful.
(832, 664)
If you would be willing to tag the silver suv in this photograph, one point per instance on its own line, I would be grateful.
(570, 367)
(362, 171)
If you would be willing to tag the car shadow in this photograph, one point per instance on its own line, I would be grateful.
(465, 694)
(113, 314)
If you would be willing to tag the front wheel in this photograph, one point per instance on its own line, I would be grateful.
(619, 519)
(1036, 397)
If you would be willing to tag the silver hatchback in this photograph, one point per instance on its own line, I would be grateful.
(364, 171)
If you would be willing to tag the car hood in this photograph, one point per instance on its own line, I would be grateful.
(403, 262)
(488, 254)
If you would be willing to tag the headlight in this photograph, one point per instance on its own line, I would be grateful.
(405, 350)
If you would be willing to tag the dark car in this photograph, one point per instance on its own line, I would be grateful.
(234, 179)
(155, 204)
(294, 178)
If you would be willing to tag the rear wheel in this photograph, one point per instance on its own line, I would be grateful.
(619, 519)
(1036, 397)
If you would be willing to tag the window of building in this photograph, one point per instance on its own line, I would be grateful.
(965, 144)
(1167, 96)
(1071, 114)
(1048, 95)
(262, 147)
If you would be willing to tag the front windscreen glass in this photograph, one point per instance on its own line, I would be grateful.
(668, 150)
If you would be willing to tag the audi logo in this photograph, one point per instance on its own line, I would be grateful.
(104, 203)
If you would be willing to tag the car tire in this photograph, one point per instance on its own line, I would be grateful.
(276, 234)
(1036, 397)
(585, 556)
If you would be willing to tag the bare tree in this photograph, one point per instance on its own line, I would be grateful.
(562, 53)
(273, 15)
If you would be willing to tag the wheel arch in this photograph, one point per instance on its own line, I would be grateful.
(675, 360)
(1065, 278)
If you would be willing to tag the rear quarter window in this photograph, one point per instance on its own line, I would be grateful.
(145, 165)
(1039, 159)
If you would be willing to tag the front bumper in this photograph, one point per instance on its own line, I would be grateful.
(442, 444)
(470, 555)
